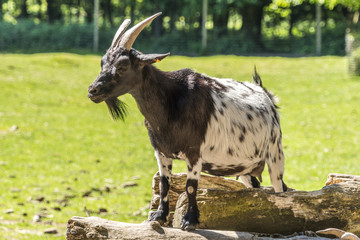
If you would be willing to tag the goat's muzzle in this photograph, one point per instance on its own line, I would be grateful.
(95, 93)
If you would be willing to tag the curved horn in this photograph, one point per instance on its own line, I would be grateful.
(130, 35)
(339, 233)
(332, 231)
(120, 32)
(349, 236)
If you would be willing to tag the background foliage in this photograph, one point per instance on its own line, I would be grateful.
(61, 155)
(234, 27)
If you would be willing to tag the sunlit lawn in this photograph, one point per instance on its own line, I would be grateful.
(64, 146)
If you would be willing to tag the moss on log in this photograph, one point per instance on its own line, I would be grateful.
(234, 211)
(262, 210)
(177, 187)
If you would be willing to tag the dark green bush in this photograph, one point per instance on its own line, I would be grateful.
(27, 36)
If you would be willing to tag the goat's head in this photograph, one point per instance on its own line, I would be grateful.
(121, 68)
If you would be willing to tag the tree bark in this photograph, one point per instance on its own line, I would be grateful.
(236, 212)
(221, 17)
(89, 9)
(334, 178)
(177, 187)
(24, 11)
(108, 10)
(262, 210)
(252, 16)
(80, 228)
(53, 11)
(132, 10)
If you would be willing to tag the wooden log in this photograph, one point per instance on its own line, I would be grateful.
(338, 178)
(262, 210)
(80, 228)
(178, 182)
(177, 186)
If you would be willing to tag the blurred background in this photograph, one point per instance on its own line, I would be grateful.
(61, 155)
(241, 27)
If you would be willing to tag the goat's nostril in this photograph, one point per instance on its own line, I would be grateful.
(93, 90)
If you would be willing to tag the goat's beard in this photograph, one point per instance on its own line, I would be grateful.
(116, 108)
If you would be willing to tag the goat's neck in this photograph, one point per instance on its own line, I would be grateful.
(153, 94)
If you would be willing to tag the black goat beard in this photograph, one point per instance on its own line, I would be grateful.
(116, 108)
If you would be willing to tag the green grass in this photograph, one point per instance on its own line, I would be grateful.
(66, 145)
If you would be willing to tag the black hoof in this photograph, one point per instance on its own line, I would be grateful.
(187, 226)
(190, 220)
(158, 216)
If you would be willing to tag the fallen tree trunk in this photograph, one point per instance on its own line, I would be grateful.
(241, 210)
(338, 178)
(98, 228)
(177, 187)
(262, 210)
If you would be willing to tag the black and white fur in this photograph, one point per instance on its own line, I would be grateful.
(218, 126)
(223, 127)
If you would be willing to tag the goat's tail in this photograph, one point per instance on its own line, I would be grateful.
(257, 80)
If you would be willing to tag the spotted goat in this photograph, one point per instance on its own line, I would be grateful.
(218, 126)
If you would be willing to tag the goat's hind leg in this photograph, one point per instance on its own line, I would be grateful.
(250, 181)
(165, 167)
(276, 162)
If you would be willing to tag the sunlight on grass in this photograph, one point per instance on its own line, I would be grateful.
(57, 146)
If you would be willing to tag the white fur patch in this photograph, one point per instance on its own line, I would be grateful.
(238, 130)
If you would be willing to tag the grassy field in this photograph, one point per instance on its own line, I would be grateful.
(60, 153)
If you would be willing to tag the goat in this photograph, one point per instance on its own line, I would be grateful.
(218, 126)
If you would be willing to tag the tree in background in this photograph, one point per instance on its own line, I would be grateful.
(54, 10)
(252, 12)
(233, 26)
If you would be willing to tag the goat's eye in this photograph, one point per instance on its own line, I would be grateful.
(121, 69)
(122, 66)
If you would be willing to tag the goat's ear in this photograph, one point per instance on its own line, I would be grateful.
(151, 58)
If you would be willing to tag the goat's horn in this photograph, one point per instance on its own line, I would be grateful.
(120, 32)
(339, 233)
(130, 35)
(349, 236)
(332, 231)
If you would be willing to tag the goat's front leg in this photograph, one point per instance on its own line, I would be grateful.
(165, 167)
(191, 218)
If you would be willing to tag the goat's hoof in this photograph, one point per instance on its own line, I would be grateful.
(191, 219)
(158, 216)
(187, 226)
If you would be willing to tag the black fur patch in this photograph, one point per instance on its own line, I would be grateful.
(116, 108)
(165, 186)
(254, 182)
(230, 151)
(167, 100)
(163, 210)
(256, 151)
(226, 171)
(169, 168)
